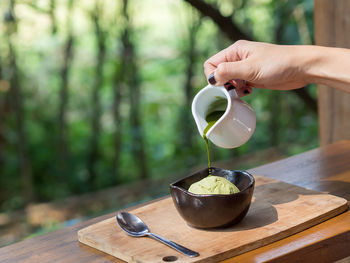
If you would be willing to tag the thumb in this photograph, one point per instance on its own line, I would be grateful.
(231, 70)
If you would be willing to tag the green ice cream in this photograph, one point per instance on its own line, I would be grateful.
(213, 185)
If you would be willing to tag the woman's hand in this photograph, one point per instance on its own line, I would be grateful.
(279, 67)
(262, 65)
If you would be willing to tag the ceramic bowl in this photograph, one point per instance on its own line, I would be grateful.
(216, 210)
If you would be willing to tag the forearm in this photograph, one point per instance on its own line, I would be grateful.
(328, 66)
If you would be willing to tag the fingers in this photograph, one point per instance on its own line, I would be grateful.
(231, 70)
(236, 52)
(242, 88)
(229, 54)
(211, 64)
(231, 65)
(246, 90)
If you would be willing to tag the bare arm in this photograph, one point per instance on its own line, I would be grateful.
(280, 67)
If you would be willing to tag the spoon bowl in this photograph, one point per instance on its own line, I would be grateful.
(135, 227)
(131, 224)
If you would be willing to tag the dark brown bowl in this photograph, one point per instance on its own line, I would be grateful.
(209, 211)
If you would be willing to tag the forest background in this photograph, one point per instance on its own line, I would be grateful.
(96, 95)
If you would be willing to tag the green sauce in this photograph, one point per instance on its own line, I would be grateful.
(215, 110)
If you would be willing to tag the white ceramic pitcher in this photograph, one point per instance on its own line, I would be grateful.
(234, 127)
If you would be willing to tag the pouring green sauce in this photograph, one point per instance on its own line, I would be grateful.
(215, 110)
(213, 184)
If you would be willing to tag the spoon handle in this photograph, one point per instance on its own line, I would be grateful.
(181, 249)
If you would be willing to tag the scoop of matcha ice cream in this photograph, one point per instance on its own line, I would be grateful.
(213, 185)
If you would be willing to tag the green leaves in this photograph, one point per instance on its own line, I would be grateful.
(161, 38)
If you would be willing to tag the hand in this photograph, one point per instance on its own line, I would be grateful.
(262, 65)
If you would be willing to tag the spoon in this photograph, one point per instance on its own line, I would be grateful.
(135, 227)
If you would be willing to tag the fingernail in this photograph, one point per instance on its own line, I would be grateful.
(246, 91)
(229, 86)
(211, 79)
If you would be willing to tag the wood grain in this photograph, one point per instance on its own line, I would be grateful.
(323, 169)
(330, 239)
(279, 210)
(332, 28)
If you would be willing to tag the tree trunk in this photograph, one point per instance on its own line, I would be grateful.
(119, 87)
(53, 16)
(25, 169)
(332, 27)
(304, 32)
(185, 121)
(233, 32)
(223, 22)
(136, 132)
(96, 104)
(138, 146)
(283, 14)
(2, 116)
(63, 150)
(3, 93)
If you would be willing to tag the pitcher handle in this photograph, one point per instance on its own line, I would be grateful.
(233, 93)
(232, 90)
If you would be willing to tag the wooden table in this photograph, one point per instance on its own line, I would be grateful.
(325, 169)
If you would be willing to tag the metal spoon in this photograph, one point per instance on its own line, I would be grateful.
(135, 227)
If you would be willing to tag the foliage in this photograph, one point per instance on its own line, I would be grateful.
(160, 33)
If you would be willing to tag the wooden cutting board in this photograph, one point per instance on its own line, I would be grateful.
(278, 210)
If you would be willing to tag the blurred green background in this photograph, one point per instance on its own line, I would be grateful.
(96, 95)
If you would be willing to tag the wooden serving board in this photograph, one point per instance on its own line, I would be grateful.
(278, 210)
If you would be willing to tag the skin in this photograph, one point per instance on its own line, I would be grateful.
(279, 67)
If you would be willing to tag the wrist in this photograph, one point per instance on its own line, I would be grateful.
(325, 65)
(310, 61)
